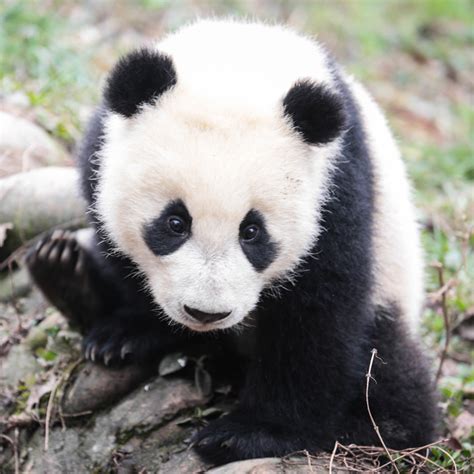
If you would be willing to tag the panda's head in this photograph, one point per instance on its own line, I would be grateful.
(212, 176)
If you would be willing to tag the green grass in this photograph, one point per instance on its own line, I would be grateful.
(38, 59)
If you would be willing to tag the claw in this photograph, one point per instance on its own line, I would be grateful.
(55, 251)
(66, 255)
(39, 244)
(107, 358)
(44, 251)
(126, 350)
(80, 263)
(93, 353)
(57, 234)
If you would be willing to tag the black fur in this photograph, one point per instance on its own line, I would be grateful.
(138, 78)
(317, 113)
(304, 388)
(87, 153)
(262, 251)
(159, 237)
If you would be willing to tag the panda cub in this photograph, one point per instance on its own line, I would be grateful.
(257, 192)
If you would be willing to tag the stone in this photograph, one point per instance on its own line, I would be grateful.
(15, 284)
(96, 386)
(137, 430)
(293, 465)
(24, 146)
(164, 450)
(19, 365)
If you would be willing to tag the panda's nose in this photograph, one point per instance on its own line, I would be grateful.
(204, 317)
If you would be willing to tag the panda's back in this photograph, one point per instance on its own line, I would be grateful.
(397, 249)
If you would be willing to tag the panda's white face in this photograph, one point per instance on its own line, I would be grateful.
(213, 194)
(183, 196)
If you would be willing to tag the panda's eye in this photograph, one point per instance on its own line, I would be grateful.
(177, 225)
(250, 233)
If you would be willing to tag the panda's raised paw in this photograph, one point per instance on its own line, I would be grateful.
(60, 268)
(57, 252)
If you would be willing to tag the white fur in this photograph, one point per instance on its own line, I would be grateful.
(219, 141)
(398, 254)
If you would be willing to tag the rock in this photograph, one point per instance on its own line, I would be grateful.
(133, 431)
(24, 146)
(164, 450)
(15, 284)
(97, 386)
(151, 405)
(184, 462)
(64, 453)
(38, 335)
(293, 465)
(20, 364)
(38, 200)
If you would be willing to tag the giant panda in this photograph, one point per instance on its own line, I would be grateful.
(245, 191)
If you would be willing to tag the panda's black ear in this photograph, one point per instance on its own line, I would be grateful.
(317, 113)
(137, 79)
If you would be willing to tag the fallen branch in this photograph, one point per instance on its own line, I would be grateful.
(333, 454)
(14, 445)
(49, 410)
(359, 458)
(368, 377)
(34, 201)
(444, 309)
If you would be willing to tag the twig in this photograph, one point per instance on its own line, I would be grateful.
(22, 420)
(308, 457)
(436, 296)
(14, 445)
(368, 376)
(77, 415)
(426, 459)
(331, 459)
(62, 384)
(444, 309)
(61, 381)
(409, 452)
(49, 410)
(453, 462)
(14, 300)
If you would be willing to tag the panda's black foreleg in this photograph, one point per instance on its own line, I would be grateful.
(65, 274)
(296, 390)
(117, 319)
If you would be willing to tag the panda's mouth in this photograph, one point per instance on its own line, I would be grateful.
(204, 317)
(203, 321)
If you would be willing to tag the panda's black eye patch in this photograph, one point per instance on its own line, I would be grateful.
(256, 242)
(169, 230)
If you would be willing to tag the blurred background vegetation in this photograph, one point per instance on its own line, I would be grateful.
(415, 56)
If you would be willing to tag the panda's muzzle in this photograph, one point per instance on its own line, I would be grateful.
(203, 317)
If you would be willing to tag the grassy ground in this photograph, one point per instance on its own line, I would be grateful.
(415, 57)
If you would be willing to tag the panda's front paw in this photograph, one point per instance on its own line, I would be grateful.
(240, 436)
(62, 269)
(131, 338)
